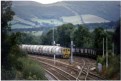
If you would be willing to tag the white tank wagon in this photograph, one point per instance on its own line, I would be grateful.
(46, 50)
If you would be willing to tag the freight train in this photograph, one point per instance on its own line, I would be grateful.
(47, 50)
(59, 51)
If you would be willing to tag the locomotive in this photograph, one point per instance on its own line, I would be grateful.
(46, 50)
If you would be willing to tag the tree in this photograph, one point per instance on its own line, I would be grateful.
(10, 51)
(6, 16)
(64, 33)
(82, 37)
(110, 41)
(99, 34)
(47, 39)
(116, 38)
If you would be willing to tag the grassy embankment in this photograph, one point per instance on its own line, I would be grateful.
(31, 70)
(113, 70)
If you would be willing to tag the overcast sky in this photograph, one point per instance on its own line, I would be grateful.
(53, 1)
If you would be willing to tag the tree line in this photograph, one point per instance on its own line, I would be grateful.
(80, 35)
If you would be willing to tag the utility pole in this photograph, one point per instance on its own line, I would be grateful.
(53, 43)
(53, 37)
(106, 52)
(113, 49)
(54, 58)
(71, 37)
(106, 49)
(103, 47)
(72, 52)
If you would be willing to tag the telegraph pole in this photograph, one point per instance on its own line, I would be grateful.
(53, 43)
(106, 52)
(103, 47)
(106, 49)
(113, 49)
(53, 37)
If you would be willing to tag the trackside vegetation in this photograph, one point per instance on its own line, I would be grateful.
(31, 70)
(113, 70)
(15, 64)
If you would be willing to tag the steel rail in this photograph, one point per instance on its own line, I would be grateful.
(81, 70)
(51, 74)
(58, 69)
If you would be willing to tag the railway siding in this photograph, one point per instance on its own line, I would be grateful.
(54, 68)
(76, 73)
(55, 78)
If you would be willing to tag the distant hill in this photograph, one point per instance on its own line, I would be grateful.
(31, 14)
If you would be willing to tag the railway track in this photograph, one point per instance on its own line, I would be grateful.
(89, 64)
(90, 75)
(79, 74)
(60, 74)
(70, 69)
(52, 75)
(81, 70)
(86, 66)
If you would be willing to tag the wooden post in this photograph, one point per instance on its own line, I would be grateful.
(54, 58)
(113, 49)
(103, 47)
(106, 52)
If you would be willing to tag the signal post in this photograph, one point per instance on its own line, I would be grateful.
(72, 52)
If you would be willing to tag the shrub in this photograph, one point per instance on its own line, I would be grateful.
(32, 70)
(8, 74)
(101, 60)
(113, 66)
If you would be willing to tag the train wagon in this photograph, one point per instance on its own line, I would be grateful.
(46, 50)
(85, 52)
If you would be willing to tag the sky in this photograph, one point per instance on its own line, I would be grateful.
(54, 1)
(47, 1)
(40, 1)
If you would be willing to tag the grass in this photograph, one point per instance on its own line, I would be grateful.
(31, 70)
(113, 70)
(8, 74)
